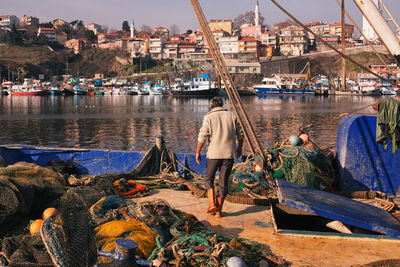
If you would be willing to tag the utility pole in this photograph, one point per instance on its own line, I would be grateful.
(343, 88)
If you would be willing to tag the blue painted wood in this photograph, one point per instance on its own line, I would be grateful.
(338, 208)
(361, 163)
(88, 161)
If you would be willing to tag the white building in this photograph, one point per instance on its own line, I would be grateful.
(228, 45)
(50, 33)
(156, 47)
(137, 48)
(96, 28)
(268, 38)
(8, 21)
(367, 30)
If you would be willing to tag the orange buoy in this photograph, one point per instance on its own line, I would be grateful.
(48, 212)
(35, 226)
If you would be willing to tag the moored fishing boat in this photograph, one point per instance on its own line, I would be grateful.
(197, 87)
(275, 86)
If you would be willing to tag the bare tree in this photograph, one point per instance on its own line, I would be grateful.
(284, 24)
(105, 28)
(146, 28)
(244, 18)
(174, 29)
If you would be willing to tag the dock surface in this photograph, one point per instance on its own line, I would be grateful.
(256, 223)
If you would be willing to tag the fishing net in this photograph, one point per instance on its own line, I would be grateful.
(26, 188)
(175, 237)
(302, 165)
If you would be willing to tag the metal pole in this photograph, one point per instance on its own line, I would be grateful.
(343, 38)
(390, 15)
(380, 26)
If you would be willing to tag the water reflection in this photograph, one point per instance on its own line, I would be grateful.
(133, 122)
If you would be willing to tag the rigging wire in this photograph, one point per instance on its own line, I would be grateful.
(331, 46)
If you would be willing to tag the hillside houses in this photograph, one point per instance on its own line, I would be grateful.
(248, 43)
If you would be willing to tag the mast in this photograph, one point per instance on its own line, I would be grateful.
(343, 38)
(380, 26)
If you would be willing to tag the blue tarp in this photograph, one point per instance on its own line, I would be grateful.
(337, 208)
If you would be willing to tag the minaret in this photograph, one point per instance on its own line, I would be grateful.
(257, 15)
(132, 29)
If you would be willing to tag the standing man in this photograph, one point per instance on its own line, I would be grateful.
(221, 129)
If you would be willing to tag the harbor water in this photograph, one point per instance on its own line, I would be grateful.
(133, 122)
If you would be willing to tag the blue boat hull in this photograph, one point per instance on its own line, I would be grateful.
(275, 91)
(361, 163)
(89, 161)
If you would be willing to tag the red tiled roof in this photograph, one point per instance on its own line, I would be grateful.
(47, 29)
(247, 40)
(314, 23)
(220, 20)
(6, 16)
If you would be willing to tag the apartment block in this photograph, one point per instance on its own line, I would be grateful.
(9, 21)
(224, 25)
(293, 41)
(28, 21)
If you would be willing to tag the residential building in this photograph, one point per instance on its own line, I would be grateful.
(224, 25)
(249, 48)
(161, 32)
(248, 30)
(266, 51)
(170, 49)
(186, 48)
(61, 37)
(329, 38)
(50, 33)
(268, 38)
(336, 29)
(237, 67)
(77, 44)
(293, 41)
(9, 21)
(319, 28)
(96, 28)
(137, 47)
(200, 39)
(28, 21)
(387, 71)
(228, 45)
(195, 59)
(155, 47)
(107, 37)
(59, 22)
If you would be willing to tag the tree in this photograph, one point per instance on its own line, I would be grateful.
(125, 26)
(146, 28)
(189, 31)
(174, 29)
(13, 37)
(74, 22)
(80, 24)
(284, 24)
(46, 25)
(245, 18)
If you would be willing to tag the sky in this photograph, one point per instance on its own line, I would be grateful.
(165, 13)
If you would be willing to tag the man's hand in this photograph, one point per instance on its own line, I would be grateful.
(239, 148)
(198, 150)
(198, 158)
